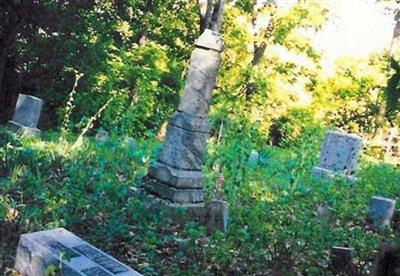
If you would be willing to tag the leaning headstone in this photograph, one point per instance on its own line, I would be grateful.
(177, 177)
(26, 115)
(339, 155)
(253, 158)
(380, 211)
(60, 248)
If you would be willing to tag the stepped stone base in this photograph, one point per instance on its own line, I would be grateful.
(24, 130)
(175, 177)
(214, 215)
(173, 194)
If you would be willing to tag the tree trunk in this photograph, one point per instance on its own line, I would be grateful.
(211, 14)
(6, 44)
(2, 98)
(204, 12)
(380, 117)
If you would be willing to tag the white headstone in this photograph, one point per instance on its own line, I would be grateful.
(26, 115)
(253, 158)
(59, 247)
(102, 136)
(339, 155)
(131, 142)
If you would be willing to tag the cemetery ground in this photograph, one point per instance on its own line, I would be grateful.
(275, 223)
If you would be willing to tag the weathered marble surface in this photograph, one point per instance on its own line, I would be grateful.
(339, 155)
(26, 115)
(177, 176)
(183, 149)
(27, 110)
(59, 247)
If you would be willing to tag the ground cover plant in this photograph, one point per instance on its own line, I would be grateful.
(273, 227)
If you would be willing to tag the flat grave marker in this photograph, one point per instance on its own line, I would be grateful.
(59, 247)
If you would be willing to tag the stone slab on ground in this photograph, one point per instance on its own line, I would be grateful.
(61, 248)
(214, 215)
(23, 130)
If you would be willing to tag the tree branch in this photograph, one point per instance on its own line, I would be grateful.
(211, 14)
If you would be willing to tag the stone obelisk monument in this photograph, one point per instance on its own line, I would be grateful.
(176, 176)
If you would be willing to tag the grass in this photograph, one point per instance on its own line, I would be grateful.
(273, 227)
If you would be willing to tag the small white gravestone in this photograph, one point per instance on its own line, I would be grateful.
(59, 247)
(131, 143)
(380, 211)
(339, 155)
(102, 136)
(26, 115)
(324, 213)
(253, 158)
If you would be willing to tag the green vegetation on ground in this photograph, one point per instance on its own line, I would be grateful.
(273, 226)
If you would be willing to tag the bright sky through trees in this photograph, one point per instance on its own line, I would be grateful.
(358, 28)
